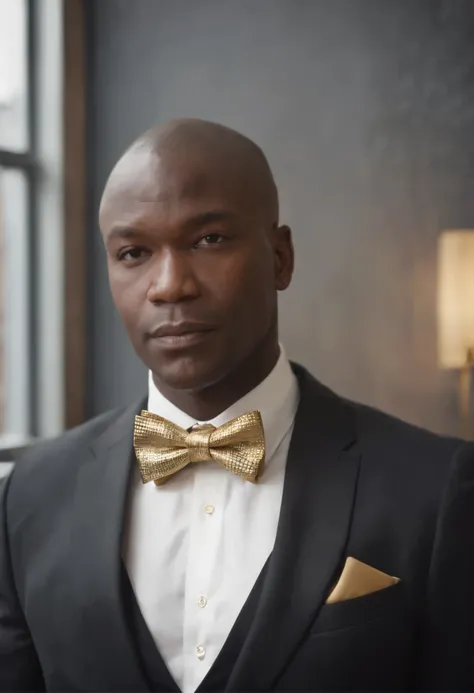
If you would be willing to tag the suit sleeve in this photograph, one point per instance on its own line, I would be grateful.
(19, 665)
(447, 637)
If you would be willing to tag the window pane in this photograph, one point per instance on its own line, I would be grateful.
(13, 75)
(15, 382)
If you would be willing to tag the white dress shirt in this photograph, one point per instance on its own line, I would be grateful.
(195, 546)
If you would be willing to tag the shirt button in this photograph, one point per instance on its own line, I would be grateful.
(200, 651)
(209, 509)
(202, 601)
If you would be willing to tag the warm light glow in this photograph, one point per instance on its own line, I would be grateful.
(455, 297)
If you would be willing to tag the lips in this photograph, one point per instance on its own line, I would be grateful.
(184, 334)
(181, 329)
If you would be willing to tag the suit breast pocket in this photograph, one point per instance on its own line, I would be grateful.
(362, 644)
(384, 604)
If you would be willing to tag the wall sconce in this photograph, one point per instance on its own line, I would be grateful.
(456, 313)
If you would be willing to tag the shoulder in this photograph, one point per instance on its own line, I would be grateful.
(407, 471)
(405, 462)
(55, 458)
(392, 451)
(71, 439)
(376, 428)
(44, 477)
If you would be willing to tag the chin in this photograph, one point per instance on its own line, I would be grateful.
(188, 375)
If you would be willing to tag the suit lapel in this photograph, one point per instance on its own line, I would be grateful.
(102, 634)
(312, 532)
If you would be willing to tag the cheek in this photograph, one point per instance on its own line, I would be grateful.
(126, 294)
(241, 283)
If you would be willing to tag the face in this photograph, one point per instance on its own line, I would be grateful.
(194, 267)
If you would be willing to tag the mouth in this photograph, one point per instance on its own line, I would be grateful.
(181, 334)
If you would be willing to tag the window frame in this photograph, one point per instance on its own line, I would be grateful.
(26, 162)
(54, 165)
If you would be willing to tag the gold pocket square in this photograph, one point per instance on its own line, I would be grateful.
(357, 580)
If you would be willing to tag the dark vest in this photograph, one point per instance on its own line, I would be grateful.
(154, 668)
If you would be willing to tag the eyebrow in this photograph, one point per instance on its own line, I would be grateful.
(196, 221)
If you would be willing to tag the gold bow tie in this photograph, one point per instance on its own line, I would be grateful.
(163, 448)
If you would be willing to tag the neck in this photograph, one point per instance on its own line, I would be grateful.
(213, 400)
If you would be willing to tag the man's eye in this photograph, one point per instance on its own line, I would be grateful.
(130, 254)
(211, 239)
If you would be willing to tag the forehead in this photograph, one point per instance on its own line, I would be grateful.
(146, 184)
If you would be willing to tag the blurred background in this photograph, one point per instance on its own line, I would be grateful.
(365, 109)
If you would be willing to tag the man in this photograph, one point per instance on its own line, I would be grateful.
(242, 527)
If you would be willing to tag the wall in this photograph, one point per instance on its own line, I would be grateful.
(365, 109)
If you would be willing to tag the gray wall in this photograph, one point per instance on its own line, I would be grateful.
(365, 109)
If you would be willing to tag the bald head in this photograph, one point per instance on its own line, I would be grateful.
(204, 151)
(189, 218)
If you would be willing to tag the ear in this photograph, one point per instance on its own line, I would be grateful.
(284, 257)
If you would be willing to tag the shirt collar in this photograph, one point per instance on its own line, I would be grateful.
(276, 398)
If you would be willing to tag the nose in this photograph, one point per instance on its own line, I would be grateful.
(172, 279)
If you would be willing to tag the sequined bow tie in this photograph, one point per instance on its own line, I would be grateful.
(163, 448)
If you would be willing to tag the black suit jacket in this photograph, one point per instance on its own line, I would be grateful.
(358, 483)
